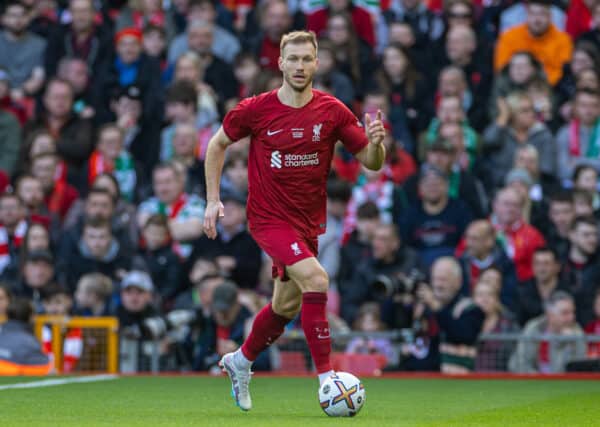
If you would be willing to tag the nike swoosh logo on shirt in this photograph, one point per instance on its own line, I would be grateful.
(271, 133)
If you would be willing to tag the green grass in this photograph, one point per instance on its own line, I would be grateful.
(282, 402)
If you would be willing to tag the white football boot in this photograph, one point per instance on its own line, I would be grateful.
(240, 380)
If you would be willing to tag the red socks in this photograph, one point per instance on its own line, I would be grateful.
(316, 328)
(267, 327)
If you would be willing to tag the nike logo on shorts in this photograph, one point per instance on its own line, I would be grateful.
(271, 133)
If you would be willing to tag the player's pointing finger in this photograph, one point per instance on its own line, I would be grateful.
(379, 115)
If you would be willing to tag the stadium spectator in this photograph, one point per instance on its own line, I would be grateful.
(516, 126)
(426, 25)
(202, 274)
(369, 320)
(92, 296)
(86, 97)
(180, 108)
(146, 12)
(581, 268)
(21, 51)
(481, 252)
(161, 262)
(111, 156)
(328, 72)
(236, 253)
(561, 214)
(493, 355)
(586, 57)
(407, 91)
(189, 67)
(247, 71)
(80, 39)
(132, 67)
(183, 210)
(141, 129)
(390, 258)
(38, 272)
(357, 246)
(57, 301)
(542, 355)
(434, 225)
(362, 21)
(235, 173)
(353, 56)
(29, 189)
(578, 141)
(185, 151)
(225, 45)
(518, 239)
(224, 329)
(459, 319)
(461, 51)
(274, 21)
(462, 185)
(120, 215)
(585, 180)
(218, 74)
(534, 293)
(551, 46)
(338, 194)
(98, 205)
(20, 351)
(450, 112)
(154, 44)
(535, 212)
(37, 238)
(73, 135)
(59, 195)
(543, 185)
(98, 251)
(138, 318)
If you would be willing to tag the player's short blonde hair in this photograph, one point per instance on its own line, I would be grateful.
(298, 37)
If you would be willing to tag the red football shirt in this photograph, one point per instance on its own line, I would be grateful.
(290, 156)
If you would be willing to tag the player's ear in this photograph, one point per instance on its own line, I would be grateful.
(280, 63)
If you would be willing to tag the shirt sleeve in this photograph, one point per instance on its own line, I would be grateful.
(350, 130)
(237, 123)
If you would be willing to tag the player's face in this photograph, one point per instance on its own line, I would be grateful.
(298, 63)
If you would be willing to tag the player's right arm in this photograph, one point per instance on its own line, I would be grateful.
(213, 166)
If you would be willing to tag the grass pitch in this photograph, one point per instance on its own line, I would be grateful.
(282, 402)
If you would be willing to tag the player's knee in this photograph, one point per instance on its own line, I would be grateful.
(288, 308)
(317, 281)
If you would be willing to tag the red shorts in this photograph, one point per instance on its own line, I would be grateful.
(284, 245)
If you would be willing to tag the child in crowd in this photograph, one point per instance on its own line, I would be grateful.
(58, 302)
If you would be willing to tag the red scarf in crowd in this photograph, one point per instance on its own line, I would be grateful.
(175, 208)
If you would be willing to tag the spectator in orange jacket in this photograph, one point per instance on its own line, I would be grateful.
(549, 45)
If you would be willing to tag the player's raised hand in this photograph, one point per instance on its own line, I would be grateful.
(374, 128)
(214, 211)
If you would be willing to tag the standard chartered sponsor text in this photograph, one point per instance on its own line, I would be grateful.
(300, 160)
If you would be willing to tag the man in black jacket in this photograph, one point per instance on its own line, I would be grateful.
(390, 262)
(460, 321)
(80, 39)
(98, 251)
(533, 294)
(235, 251)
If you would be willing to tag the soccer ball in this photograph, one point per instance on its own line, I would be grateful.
(342, 395)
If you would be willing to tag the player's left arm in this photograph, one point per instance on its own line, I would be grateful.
(373, 155)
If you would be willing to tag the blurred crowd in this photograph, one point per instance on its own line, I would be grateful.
(484, 218)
